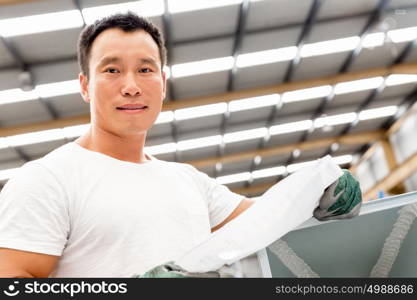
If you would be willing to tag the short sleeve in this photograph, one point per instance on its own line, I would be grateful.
(220, 200)
(34, 212)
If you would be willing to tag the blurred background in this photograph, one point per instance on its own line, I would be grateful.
(256, 89)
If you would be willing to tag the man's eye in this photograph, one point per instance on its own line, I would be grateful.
(145, 70)
(111, 70)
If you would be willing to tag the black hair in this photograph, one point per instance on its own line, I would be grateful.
(128, 22)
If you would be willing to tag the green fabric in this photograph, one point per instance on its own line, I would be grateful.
(341, 200)
(171, 270)
(350, 194)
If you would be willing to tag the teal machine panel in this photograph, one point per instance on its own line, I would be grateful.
(350, 248)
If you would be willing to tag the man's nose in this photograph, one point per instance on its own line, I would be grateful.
(131, 86)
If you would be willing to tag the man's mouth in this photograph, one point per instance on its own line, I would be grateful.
(132, 107)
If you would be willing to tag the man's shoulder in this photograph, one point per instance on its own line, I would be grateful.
(58, 159)
(63, 155)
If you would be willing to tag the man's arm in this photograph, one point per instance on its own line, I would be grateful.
(17, 263)
(342, 200)
(243, 205)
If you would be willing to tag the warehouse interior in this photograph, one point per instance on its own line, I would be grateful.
(256, 88)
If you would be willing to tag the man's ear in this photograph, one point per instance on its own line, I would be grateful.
(84, 87)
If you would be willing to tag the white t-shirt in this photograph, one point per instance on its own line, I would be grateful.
(106, 217)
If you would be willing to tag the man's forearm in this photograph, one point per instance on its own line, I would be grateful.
(243, 205)
(14, 273)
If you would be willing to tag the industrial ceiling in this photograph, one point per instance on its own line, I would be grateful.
(255, 86)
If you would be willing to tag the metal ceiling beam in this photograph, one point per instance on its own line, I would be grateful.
(167, 28)
(77, 4)
(376, 92)
(231, 35)
(349, 140)
(26, 82)
(406, 68)
(395, 177)
(392, 125)
(408, 49)
(398, 174)
(21, 154)
(408, 102)
(353, 139)
(305, 33)
(372, 21)
(26, 76)
(15, 55)
(288, 26)
(237, 45)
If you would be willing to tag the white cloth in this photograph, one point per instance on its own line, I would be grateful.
(106, 217)
(279, 210)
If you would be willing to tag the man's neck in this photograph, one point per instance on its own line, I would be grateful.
(127, 148)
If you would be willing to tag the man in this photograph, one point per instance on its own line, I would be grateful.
(101, 207)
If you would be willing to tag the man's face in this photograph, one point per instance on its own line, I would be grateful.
(126, 85)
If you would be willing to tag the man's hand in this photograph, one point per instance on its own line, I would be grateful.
(341, 200)
(171, 270)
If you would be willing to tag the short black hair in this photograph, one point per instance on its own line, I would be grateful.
(128, 22)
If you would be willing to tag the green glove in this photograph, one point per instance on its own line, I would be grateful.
(171, 270)
(341, 200)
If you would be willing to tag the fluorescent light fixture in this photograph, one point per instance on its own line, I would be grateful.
(266, 57)
(245, 135)
(75, 131)
(16, 95)
(337, 159)
(7, 173)
(234, 178)
(202, 67)
(335, 120)
(3, 143)
(254, 102)
(358, 85)
(290, 127)
(294, 167)
(200, 111)
(161, 149)
(378, 112)
(147, 8)
(41, 23)
(343, 159)
(373, 40)
(165, 117)
(275, 171)
(331, 46)
(179, 6)
(305, 94)
(403, 35)
(58, 88)
(35, 137)
(340, 160)
(397, 79)
(199, 143)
